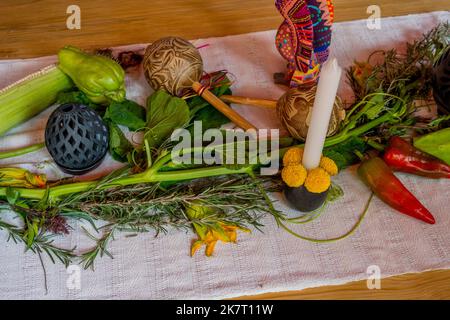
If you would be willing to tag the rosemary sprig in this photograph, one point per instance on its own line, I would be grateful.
(88, 258)
(147, 207)
(42, 243)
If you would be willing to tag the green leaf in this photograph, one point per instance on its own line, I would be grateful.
(211, 118)
(165, 113)
(31, 233)
(374, 106)
(119, 146)
(76, 97)
(44, 203)
(79, 215)
(22, 204)
(127, 113)
(343, 154)
(12, 196)
(201, 110)
(436, 144)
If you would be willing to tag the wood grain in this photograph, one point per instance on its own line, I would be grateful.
(417, 286)
(30, 28)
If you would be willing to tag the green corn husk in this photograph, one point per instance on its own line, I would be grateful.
(29, 96)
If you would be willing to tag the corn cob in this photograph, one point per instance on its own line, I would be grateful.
(29, 96)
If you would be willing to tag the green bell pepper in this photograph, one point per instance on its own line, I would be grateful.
(436, 144)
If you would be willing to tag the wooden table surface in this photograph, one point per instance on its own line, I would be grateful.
(30, 28)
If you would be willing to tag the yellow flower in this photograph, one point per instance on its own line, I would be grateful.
(361, 72)
(294, 175)
(329, 166)
(21, 178)
(293, 156)
(222, 231)
(209, 234)
(317, 181)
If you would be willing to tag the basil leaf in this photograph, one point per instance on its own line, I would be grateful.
(127, 113)
(165, 113)
(201, 110)
(119, 146)
(12, 195)
(76, 97)
(343, 154)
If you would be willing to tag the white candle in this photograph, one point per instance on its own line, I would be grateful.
(330, 76)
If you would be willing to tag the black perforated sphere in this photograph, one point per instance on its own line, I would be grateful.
(76, 138)
(441, 80)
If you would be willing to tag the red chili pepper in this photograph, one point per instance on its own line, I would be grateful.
(402, 156)
(379, 177)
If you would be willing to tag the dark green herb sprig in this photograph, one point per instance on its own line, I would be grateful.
(42, 242)
(401, 74)
(146, 207)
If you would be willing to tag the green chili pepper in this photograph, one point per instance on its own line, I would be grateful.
(100, 78)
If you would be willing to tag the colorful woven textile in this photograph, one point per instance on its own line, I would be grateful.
(303, 39)
(299, 25)
(322, 21)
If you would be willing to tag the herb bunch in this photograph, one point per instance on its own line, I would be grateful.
(401, 74)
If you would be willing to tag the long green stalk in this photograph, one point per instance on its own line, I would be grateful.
(21, 151)
(149, 176)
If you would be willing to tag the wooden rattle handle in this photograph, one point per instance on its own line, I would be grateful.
(269, 104)
(222, 107)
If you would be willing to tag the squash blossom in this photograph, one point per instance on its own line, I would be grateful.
(21, 178)
(361, 72)
(211, 232)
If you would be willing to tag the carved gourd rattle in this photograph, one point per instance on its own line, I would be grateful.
(175, 65)
(294, 110)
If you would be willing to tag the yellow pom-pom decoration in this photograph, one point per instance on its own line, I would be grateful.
(294, 175)
(329, 166)
(293, 156)
(317, 181)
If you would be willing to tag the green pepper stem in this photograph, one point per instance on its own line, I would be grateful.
(21, 151)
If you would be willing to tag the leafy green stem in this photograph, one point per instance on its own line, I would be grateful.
(149, 176)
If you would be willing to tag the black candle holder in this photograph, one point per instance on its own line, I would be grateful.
(76, 138)
(304, 200)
